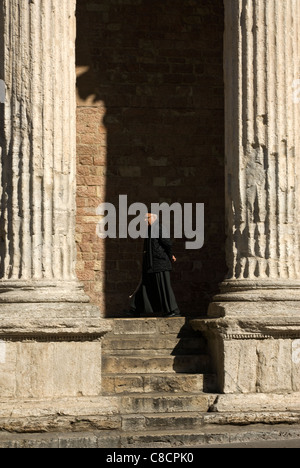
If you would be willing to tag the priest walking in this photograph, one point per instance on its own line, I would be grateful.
(155, 295)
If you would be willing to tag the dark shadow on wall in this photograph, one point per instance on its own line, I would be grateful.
(191, 356)
(157, 67)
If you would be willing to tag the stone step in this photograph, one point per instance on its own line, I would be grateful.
(206, 436)
(143, 345)
(270, 436)
(155, 403)
(167, 383)
(192, 364)
(197, 420)
(150, 326)
(157, 422)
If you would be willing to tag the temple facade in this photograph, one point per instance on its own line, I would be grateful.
(174, 102)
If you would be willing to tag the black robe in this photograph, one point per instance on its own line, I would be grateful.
(155, 295)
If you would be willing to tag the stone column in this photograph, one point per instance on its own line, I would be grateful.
(261, 63)
(38, 153)
(50, 336)
(254, 326)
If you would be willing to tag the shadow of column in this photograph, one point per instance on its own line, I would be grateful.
(157, 69)
(192, 357)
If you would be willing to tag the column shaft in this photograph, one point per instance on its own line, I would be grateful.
(262, 139)
(38, 143)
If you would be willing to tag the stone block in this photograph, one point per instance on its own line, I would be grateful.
(158, 383)
(254, 346)
(122, 384)
(62, 414)
(50, 353)
(33, 369)
(153, 403)
(257, 366)
(257, 403)
(140, 326)
(295, 371)
(157, 364)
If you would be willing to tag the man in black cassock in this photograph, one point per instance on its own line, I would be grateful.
(155, 295)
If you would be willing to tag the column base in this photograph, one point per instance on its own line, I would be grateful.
(255, 346)
(258, 291)
(50, 365)
(42, 291)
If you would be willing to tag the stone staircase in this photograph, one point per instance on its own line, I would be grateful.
(160, 370)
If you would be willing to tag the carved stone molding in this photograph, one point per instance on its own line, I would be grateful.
(52, 338)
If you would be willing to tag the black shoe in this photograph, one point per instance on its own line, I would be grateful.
(131, 314)
(174, 313)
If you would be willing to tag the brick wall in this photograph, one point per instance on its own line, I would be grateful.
(151, 126)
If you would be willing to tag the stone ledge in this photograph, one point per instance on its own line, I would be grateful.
(51, 338)
(259, 403)
(49, 310)
(243, 321)
(270, 310)
(55, 330)
(65, 414)
(148, 326)
(46, 331)
(42, 291)
(245, 329)
(51, 322)
(258, 291)
(205, 437)
(242, 418)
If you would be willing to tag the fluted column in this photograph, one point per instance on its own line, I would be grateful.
(38, 152)
(253, 325)
(261, 60)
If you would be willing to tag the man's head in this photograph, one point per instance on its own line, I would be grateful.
(150, 218)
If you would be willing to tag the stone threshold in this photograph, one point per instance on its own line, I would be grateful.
(206, 437)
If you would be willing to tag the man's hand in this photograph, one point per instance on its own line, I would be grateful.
(174, 259)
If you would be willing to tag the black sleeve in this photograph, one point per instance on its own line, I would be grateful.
(165, 242)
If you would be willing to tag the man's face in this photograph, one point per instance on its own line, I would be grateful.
(150, 219)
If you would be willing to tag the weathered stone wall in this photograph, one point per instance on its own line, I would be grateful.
(150, 125)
